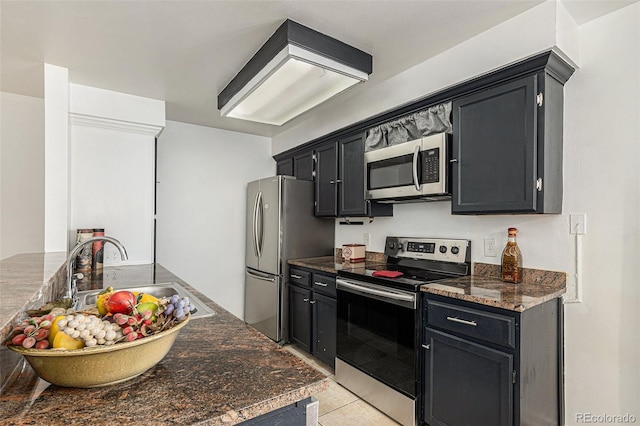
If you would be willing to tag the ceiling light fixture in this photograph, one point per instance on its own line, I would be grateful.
(295, 70)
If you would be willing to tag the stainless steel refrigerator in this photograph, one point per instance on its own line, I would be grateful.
(280, 226)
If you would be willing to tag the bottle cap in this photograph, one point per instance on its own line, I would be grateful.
(513, 231)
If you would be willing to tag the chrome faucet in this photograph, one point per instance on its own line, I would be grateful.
(72, 289)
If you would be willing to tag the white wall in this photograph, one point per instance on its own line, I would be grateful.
(21, 174)
(602, 179)
(202, 179)
(56, 157)
(112, 168)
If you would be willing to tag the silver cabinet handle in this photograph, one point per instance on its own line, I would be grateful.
(297, 277)
(416, 182)
(426, 346)
(305, 300)
(461, 321)
(321, 284)
(332, 182)
(312, 301)
(453, 160)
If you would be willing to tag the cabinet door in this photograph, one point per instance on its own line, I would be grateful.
(324, 328)
(300, 317)
(465, 383)
(495, 149)
(351, 188)
(303, 166)
(327, 180)
(285, 167)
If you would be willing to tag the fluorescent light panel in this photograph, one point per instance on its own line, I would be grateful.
(295, 70)
(295, 81)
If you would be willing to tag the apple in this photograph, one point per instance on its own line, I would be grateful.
(121, 302)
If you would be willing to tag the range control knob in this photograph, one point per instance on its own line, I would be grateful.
(391, 245)
(455, 250)
(400, 246)
(443, 249)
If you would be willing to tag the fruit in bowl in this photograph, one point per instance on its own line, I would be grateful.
(80, 349)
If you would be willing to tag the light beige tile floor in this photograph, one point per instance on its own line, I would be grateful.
(338, 406)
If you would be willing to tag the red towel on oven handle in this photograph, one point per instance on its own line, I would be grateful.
(387, 274)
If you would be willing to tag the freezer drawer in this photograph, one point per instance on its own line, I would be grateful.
(262, 307)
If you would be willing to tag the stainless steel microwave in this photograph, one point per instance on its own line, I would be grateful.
(417, 170)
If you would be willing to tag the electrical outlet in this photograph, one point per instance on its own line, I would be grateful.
(578, 224)
(490, 247)
(367, 238)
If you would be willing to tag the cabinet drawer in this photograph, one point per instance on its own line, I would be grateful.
(325, 284)
(300, 277)
(496, 328)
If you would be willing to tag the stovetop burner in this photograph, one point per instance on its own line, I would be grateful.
(421, 260)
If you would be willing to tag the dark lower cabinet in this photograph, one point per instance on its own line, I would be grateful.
(323, 322)
(486, 366)
(300, 317)
(466, 383)
(313, 313)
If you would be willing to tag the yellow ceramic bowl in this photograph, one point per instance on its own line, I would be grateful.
(100, 365)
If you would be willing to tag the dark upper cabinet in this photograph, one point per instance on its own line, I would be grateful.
(507, 148)
(340, 181)
(285, 167)
(327, 181)
(303, 166)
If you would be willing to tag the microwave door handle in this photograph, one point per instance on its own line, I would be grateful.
(416, 183)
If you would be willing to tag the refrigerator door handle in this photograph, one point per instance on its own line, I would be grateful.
(260, 276)
(259, 224)
(255, 225)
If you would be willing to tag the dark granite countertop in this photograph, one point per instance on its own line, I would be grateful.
(219, 371)
(323, 263)
(333, 264)
(485, 288)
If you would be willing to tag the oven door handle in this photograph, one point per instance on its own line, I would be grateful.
(403, 299)
(416, 182)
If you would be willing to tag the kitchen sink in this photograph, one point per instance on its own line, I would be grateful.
(88, 298)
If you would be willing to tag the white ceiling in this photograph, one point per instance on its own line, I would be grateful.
(185, 52)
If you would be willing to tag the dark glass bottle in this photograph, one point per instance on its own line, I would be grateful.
(512, 259)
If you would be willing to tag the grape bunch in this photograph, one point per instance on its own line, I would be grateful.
(178, 308)
(91, 329)
(134, 326)
(33, 332)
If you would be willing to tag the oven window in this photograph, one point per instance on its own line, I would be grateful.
(379, 339)
(392, 172)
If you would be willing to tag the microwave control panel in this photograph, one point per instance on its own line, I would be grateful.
(431, 165)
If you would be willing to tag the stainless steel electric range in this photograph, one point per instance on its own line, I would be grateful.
(379, 320)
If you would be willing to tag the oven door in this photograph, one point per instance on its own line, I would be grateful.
(408, 170)
(376, 332)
